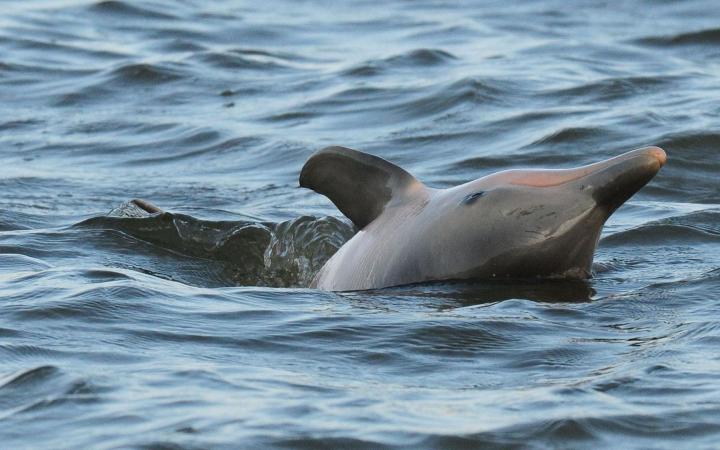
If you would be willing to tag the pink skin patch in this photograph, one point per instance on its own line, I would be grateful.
(547, 178)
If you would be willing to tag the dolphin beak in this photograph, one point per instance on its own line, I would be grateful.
(614, 181)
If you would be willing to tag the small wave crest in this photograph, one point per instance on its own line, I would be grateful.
(418, 58)
(399, 105)
(695, 228)
(610, 89)
(710, 36)
(144, 74)
(238, 60)
(115, 8)
(29, 377)
(572, 136)
(114, 80)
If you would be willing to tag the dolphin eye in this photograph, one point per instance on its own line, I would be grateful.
(472, 198)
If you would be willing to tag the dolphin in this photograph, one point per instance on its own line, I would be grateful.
(510, 224)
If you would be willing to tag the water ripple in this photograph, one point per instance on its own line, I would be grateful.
(193, 328)
(710, 37)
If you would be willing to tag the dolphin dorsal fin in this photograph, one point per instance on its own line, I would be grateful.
(359, 184)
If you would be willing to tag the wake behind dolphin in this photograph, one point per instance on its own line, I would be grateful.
(511, 224)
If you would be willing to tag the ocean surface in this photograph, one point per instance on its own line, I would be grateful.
(195, 328)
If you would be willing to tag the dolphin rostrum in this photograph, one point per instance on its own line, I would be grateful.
(511, 224)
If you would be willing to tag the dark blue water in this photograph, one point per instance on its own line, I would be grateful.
(194, 329)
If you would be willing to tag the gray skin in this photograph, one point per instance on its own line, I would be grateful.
(511, 224)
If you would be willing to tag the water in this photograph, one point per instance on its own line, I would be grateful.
(194, 329)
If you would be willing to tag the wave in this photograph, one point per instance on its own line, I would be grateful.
(283, 254)
(115, 8)
(710, 36)
(585, 431)
(470, 90)
(698, 146)
(414, 59)
(13, 263)
(572, 135)
(40, 388)
(144, 73)
(64, 53)
(693, 164)
(100, 87)
(380, 104)
(29, 377)
(610, 89)
(697, 228)
(192, 143)
(656, 235)
(30, 73)
(237, 60)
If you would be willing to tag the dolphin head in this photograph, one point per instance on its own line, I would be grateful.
(547, 222)
(511, 224)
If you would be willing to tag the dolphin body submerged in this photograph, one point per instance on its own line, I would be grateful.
(511, 224)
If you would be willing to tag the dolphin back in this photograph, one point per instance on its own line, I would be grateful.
(359, 184)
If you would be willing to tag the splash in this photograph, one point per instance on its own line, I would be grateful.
(276, 254)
